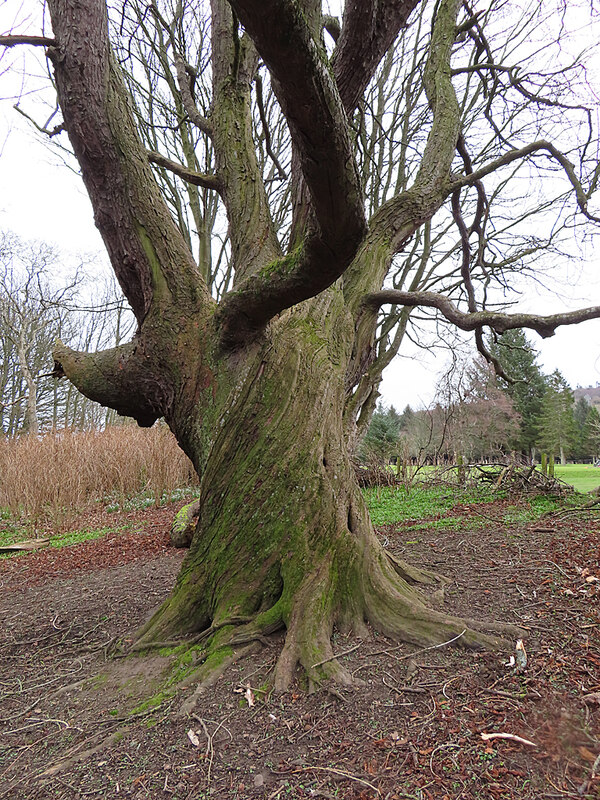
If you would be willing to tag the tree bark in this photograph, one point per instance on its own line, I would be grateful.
(284, 539)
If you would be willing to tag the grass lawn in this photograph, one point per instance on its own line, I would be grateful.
(584, 477)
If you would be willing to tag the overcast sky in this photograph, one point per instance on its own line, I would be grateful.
(42, 199)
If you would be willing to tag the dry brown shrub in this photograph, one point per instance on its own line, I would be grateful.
(56, 475)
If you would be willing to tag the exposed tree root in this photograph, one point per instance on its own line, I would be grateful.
(364, 586)
(209, 673)
(412, 574)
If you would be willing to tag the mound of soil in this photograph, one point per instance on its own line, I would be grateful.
(77, 723)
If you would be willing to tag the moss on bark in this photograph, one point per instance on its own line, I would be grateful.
(284, 538)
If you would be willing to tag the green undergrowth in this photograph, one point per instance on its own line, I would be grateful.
(116, 502)
(19, 533)
(447, 507)
(390, 504)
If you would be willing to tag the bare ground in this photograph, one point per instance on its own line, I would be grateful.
(77, 724)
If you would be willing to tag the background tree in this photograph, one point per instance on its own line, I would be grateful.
(557, 431)
(263, 385)
(473, 418)
(383, 436)
(35, 311)
(526, 387)
(587, 437)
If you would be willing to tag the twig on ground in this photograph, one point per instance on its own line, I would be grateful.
(337, 655)
(513, 738)
(560, 569)
(417, 652)
(342, 774)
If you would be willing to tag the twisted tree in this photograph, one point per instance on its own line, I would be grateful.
(264, 373)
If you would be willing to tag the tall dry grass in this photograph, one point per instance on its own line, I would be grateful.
(55, 476)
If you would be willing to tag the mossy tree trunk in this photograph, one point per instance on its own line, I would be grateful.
(284, 539)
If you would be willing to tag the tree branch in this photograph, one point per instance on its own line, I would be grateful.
(497, 320)
(37, 41)
(191, 109)
(315, 115)
(320, 132)
(516, 154)
(369, 28)
(267, 134)
(148, 253)
(49, 132)
(188, 175)
(117, 378)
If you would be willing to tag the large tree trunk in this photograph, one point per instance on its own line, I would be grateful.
(284, 538)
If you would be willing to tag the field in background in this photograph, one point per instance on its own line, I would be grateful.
(583, 477)
(47, 482)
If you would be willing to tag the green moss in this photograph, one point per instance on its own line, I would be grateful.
(152, 702)
(98, 681)
(283, 267)
(158, 279)
(176, 650)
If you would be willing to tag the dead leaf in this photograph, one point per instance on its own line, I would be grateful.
(587, 754)
(193, 738)
(249, 695)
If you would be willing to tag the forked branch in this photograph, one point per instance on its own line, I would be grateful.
(545, 326)
(522, 152)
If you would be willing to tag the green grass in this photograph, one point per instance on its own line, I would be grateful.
(583, 477)
(394, 504)
(18, 533)
(389, 505)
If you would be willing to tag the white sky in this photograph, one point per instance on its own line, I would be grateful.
(42, 199)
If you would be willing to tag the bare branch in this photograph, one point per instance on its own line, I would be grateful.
(319, 129)
(497, 320)
(126, 198)
(50, 132)
(36, 41)
(522, 152)
(188, 175)
(183, 77)
(261, 111)
(368, 31)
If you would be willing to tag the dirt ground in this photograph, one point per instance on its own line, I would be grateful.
(77, 724)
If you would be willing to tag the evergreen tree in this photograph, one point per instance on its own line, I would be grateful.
(587, 423)
(382, 437)
(557, 430)
(519, 361)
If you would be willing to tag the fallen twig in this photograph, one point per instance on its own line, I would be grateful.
(340, 772)
(513, 738)
(418, 652)
(337, 655)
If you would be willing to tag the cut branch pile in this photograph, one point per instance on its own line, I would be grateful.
(518, 478)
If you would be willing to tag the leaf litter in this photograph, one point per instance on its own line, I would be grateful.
(424, 723)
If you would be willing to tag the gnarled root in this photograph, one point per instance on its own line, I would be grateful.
(344, 592)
